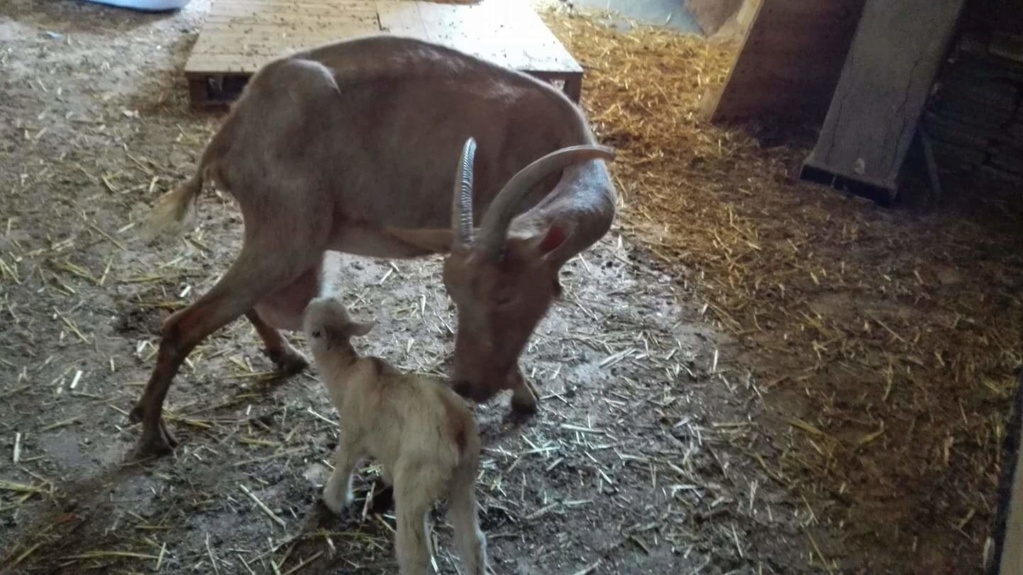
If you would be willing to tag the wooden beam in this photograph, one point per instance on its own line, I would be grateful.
(1008, 532)
(887, 77)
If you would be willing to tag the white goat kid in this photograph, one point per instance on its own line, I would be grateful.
(416, 427)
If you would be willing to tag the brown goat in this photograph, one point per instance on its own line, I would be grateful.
(350, 147)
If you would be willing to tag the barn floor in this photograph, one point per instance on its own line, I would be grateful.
(748, 375)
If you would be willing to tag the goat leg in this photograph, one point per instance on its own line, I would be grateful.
(156, 439)
(472, 543)
(337, 493)
(524, 396)
(250, 277)
(412, 505)
(286, 358)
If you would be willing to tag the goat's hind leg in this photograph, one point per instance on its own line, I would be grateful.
(250, 277)
(472, 543)
(287, 306)
(284, 356)
(416, 489)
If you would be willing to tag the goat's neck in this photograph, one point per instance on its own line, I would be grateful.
(336, 363)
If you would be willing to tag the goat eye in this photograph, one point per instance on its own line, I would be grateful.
(316, 333)
(505, 299)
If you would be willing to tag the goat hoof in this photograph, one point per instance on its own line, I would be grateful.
(155, 443)
(136, 413)
(525, 400)
(336, 505)
(524, 407)
(288, 360)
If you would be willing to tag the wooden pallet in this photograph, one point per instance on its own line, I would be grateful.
(240, 36)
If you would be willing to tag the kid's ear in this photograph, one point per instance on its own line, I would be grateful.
(358, 329)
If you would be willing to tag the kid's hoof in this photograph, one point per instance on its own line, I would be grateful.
(336, 504)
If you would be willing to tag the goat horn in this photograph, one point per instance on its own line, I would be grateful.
(500, 213)
(461, 198)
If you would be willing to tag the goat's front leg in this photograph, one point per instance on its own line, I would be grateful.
(250, 277)
(337, 493)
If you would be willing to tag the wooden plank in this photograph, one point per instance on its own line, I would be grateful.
(243, 35)
(240, 36)
(808, 36)
(882, 90)
(261, 8)
(343, 29)
(213, 64)
(272, 17)
(306, 6)
(1008, 532)
(231, 41)
(507, 32)
(227, 23)
(256, 49)
(1007, 46)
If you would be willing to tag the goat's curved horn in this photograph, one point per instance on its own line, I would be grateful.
(501, 211)
(461, 198)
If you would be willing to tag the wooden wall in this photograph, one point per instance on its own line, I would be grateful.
(1004, 16)
(975, 117)
(975, 121)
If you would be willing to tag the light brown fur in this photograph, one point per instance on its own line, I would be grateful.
(421, 432)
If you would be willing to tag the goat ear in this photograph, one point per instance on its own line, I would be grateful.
(435, 240)
(358, 329)
(551, 240)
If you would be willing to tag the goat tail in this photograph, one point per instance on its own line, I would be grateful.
(175, 209)
(471, 542)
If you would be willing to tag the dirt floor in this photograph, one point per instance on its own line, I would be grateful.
(747, 375)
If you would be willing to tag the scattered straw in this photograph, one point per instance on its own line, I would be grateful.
(262, 506)
(880, 325)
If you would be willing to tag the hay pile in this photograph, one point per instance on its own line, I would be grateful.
(884, 342)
